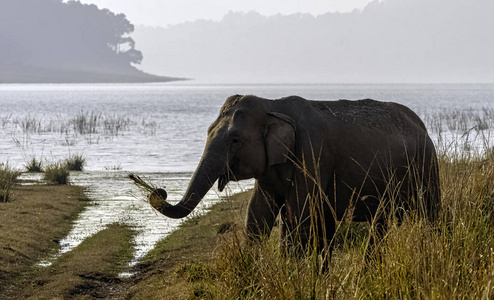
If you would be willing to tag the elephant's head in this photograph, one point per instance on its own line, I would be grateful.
(244, 141)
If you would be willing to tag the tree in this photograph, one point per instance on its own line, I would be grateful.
(53, 33)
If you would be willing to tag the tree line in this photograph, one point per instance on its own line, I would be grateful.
(388, 41)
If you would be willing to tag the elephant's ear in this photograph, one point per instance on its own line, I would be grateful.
(280, 138)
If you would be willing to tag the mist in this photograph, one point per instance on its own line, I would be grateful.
(394, 41)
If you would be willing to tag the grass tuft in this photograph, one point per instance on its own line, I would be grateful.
(57, 173)
(116, 167)
(75, 162)
(34, 165)
(8, 178)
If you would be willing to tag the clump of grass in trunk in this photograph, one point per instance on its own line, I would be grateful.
(75, 162)
(57, 173)
(146, 187)
(155, 196)
(8, 178)
(34, 165)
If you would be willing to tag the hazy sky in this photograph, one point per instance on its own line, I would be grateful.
(165, 12)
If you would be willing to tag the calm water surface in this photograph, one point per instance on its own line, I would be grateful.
(158, 131)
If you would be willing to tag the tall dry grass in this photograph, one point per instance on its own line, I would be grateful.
(8, 178)
(452, 258)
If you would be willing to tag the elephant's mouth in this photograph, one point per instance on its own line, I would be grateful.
(228, 176)
(223, 181)
(225, 178)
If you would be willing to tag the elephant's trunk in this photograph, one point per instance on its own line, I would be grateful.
(207, 172)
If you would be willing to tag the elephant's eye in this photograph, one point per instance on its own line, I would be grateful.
(236, 144)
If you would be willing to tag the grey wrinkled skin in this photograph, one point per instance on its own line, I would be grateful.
(316, 162)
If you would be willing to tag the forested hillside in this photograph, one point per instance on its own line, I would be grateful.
(53, 41)
(390, 41)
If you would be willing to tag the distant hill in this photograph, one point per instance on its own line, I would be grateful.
(51, 41)
(389, 41)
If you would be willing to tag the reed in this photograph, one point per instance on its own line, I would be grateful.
(116, 167)
(114, 125)
(5, 120)
(28, 124)
(90, 127)
(85, 123)
(456, 131)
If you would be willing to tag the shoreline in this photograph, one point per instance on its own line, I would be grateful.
(39, 75)
(208, 257)
(40, 215)
(194, 243)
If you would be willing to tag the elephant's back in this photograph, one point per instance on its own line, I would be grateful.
(371, 113)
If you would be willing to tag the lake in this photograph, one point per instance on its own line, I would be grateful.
(158, 131)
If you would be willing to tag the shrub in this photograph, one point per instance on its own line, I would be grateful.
(8, 178)
(57, 173)
(75, 162)
(34, 165)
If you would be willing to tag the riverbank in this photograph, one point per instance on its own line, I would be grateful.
(208, 258)
(31, 226)
(173, 269)
(40, 215)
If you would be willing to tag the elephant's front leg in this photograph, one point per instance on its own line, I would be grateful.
(310, 223)
(261, 214)
(296, 225)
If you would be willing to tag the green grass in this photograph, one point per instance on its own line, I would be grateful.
(31, 227)
(8, 178)
(90, 270)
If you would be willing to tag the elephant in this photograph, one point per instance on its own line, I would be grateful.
(314, 163)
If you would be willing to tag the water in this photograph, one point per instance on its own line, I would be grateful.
(158, 131)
